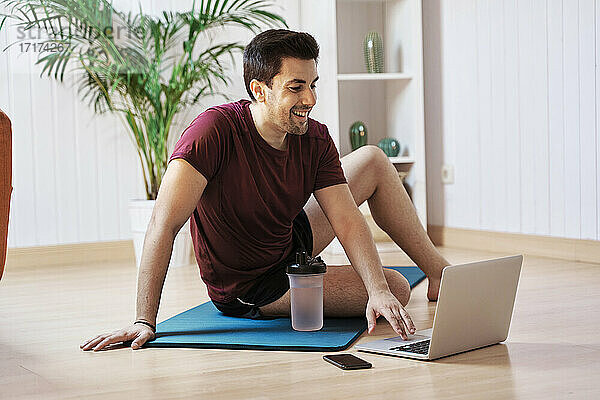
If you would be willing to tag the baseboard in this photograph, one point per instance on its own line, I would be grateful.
(543, 246)
(70, 254)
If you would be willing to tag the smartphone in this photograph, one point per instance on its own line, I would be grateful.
(347, 361)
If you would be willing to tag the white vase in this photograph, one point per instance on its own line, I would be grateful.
(140, 212)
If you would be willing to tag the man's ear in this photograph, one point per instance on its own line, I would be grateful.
(257, 90)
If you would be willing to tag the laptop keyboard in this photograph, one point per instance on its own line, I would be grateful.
(418, 347)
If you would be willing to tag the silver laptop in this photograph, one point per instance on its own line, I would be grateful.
(474, 310)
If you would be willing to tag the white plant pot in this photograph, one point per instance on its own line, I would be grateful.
(140, 212)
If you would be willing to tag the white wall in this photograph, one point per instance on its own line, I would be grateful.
(73, 171)
(512, 100)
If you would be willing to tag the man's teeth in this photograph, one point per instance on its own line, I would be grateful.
(301, 114)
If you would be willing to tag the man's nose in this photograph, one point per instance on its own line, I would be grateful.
(310, 97)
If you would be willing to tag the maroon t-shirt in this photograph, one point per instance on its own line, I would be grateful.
(242, 225)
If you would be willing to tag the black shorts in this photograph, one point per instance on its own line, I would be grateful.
(274, 283)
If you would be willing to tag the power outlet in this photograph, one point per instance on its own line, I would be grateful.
(447, 174)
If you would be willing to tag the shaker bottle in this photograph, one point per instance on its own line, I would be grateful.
(306, 292)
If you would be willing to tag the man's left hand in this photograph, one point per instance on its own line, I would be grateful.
(386, 304)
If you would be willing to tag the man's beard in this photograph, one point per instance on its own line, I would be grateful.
(296, 129)
(290, 126)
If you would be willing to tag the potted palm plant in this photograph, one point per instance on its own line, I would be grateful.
(144, 69)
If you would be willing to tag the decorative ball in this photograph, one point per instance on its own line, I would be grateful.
(358, 135)
(390, 146)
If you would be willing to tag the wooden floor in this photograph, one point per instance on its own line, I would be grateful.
(553, 350)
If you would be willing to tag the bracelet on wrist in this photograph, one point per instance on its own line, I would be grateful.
(148, 324)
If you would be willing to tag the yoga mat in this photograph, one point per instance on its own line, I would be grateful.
(206, 327)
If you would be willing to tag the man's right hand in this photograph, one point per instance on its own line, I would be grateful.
(138, 333)
(180, 191)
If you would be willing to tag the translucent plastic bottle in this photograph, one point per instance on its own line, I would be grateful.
(306, 292)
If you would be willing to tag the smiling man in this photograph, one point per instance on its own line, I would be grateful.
(261, 181)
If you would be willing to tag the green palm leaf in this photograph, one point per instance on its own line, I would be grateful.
(145, 68)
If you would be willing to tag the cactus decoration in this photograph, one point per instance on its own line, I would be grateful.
(373, 49)
(358, 135)
(390, 146)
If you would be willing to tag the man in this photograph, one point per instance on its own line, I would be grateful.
(245, 173)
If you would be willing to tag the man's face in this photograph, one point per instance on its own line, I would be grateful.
(292, 95)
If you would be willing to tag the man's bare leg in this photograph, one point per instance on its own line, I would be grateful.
(344, 294)
(372, 178)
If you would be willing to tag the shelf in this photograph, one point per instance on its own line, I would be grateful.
(401, 160)
(362, 1)
(374, 77)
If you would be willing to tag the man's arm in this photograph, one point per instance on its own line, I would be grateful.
(353, 232)
(179, 193)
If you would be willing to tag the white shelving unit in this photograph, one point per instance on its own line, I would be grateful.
(389, 103)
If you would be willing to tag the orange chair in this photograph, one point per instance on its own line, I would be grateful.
(5, 183)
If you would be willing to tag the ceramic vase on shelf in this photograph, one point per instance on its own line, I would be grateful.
(390, 146)
(373, 49)
(358, 135)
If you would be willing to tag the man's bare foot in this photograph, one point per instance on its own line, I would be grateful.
(434, 284)
(434, 289)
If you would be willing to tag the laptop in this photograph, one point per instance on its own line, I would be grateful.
(474, 310)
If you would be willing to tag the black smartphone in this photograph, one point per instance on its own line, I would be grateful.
(347, 361)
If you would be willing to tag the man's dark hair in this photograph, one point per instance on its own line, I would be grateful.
(263, 55)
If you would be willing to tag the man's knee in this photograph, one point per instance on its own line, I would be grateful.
(374, 156)
(398, 284)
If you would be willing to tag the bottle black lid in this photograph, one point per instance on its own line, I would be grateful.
(306, 265)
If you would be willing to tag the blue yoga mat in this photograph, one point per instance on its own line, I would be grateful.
(206, 327)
